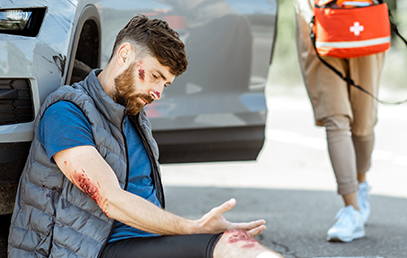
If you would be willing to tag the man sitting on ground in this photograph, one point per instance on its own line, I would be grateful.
(91, 186)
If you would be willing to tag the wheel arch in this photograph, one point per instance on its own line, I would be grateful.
(86, 46)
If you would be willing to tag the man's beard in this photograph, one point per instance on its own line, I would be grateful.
(124, 92)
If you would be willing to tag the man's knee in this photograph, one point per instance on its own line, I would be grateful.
(239, 238)
(238, 243)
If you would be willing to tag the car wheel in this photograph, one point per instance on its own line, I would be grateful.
(80, 71)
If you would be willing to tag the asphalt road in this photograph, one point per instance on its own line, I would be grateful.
(292, 186)
(297, 220)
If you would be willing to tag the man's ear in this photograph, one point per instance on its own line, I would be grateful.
(123, 54)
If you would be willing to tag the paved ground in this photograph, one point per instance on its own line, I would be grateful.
(297, 220)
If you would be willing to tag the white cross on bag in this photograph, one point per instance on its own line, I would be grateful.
(356, 28)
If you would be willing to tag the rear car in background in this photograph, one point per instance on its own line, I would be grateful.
(215, 111)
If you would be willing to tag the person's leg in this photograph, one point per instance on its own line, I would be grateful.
(233, 243)
(365, 71)
(349, 223)
(343, 158)
(180, 246)
(363, 149)
(238, 244)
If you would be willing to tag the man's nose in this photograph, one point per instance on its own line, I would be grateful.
(155, 94)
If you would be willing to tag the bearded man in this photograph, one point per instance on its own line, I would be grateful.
(91, 186)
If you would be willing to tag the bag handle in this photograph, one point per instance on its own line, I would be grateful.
(347, 78)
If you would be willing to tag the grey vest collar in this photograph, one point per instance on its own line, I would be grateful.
(104, 103)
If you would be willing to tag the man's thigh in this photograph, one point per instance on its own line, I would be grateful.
(183, 246)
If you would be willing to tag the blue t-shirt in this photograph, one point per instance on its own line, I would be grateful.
(64, 126)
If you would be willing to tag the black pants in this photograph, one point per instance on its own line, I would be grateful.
(183, 246)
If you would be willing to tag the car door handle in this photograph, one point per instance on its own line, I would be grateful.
(8, 94)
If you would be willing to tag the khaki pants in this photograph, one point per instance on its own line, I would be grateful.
(331, 97)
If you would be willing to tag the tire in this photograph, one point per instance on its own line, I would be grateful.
(80, 71)
(4, 229)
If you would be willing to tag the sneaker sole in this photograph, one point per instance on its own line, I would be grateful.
(357, 235)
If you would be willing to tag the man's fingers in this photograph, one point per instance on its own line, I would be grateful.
(225, 207)
(248, 225)
(252, 228)
(254, 232)
(257, 223)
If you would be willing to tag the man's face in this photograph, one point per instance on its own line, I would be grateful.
(141, 83)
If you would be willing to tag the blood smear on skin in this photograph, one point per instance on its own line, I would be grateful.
(141, 74)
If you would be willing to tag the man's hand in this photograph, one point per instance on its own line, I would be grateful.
(214, 222)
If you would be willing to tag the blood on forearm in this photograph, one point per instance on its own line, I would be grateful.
(82, 181)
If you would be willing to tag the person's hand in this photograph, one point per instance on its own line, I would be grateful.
(214, 222)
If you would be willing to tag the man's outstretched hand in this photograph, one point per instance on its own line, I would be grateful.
(214, 222)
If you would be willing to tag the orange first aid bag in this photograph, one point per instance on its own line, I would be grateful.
(351, 32)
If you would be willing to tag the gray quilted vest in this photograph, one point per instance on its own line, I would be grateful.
(54, 218)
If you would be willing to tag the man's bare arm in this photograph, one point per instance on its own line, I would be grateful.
(86, 168)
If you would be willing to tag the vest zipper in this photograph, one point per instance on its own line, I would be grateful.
(126, 183)
(154, 169)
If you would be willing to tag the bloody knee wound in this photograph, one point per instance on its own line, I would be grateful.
(239, 236)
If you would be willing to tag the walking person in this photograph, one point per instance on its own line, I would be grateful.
(348, 115)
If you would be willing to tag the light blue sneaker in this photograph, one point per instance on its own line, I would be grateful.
(348, 226)
(364, 200)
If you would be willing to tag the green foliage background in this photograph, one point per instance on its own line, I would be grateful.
(285, 70)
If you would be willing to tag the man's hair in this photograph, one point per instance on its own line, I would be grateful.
(156, 38)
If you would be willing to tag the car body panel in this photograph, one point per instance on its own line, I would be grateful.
(39, 59)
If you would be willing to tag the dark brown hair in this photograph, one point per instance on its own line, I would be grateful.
(157, 38)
